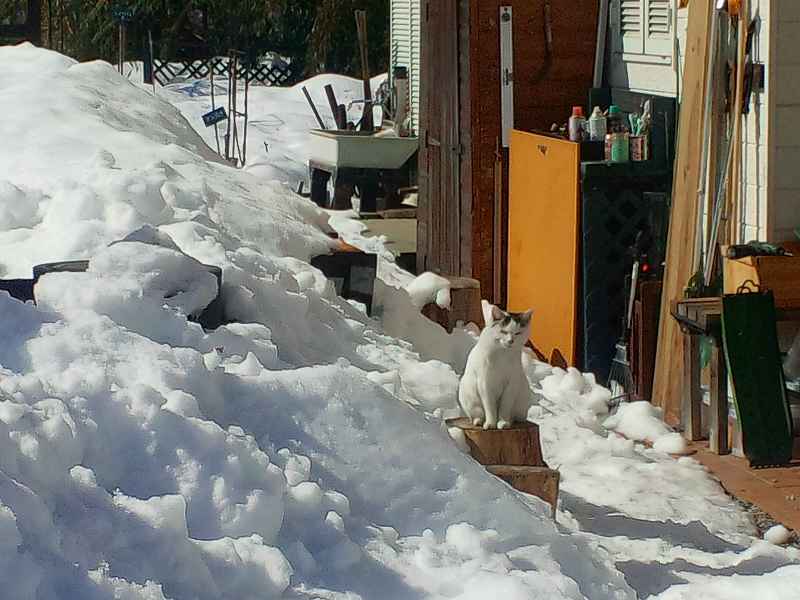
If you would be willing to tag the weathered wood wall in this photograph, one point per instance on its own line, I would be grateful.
(547, 83)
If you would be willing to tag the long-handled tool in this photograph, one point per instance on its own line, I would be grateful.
(620, 378)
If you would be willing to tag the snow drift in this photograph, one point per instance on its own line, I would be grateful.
(290, 453)
(299, 451)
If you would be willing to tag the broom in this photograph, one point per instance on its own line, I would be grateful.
(620, 376)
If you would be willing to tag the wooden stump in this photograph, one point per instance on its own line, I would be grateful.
(465, 304)
(517, 446)
(537, 481)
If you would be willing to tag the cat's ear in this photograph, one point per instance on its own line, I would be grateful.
(497, 314)
(526, 321)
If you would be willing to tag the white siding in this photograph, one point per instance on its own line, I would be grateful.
(756, 139)
(404, 43)
(784, 74)
(756, 174)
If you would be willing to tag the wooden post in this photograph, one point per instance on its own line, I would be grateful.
(361, 27)
(718, 426)
(334, 106)
(517, 446)
(691, 414)
(314, 108)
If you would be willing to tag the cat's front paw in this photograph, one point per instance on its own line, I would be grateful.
(503, 424)
(489, 425)
(477, 422)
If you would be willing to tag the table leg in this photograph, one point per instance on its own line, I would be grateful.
(718, 437)
(690, 409)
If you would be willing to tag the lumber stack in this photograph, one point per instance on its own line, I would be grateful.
(708, 175)
(514, 455)
(680, 257)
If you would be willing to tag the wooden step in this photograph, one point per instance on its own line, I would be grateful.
(517, 446)
(541, 482)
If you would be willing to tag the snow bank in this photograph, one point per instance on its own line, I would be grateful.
(642, 422)
(296, 452)
(778, 535)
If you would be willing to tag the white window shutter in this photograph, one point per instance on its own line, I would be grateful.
(657, 27)
(630, 22)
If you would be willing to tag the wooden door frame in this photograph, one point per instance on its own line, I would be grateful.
(441, 242)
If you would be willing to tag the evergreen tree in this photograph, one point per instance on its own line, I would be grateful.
(317, 35)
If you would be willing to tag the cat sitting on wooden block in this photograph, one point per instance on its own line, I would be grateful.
(494, 392)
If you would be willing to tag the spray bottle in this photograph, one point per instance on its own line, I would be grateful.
(577, 124)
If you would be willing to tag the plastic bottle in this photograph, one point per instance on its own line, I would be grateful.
(615, 123)
(577, 124)
(597, 125)
(617, 138)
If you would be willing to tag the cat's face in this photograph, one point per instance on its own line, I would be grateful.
(509, 330)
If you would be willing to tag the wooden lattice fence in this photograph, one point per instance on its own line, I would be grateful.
(269, 74)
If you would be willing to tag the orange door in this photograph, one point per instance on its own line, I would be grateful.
(543, 239)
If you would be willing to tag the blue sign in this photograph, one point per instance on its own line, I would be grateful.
(215, 116)
(122, 13)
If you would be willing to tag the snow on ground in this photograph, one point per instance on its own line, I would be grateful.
(300, 451)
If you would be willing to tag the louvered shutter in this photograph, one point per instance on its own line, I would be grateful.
(658, 40)
(630, 26)
(414, 71)
(404, 41)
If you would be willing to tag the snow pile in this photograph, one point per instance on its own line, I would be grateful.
(429, 288)
(642, 422)
(295, 452)
(299, 451)
(279, 118)
(778, 535)
(577, 390)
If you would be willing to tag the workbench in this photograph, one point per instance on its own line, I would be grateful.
(703, 317)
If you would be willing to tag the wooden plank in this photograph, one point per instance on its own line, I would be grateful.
(440, 129)
(367, 123)
(334, 106)
(690, 410)
(734, 196)
(424, 234)
(497, 238)
(542, 267)
(680, 258)
(313, 107)
(465, 129)
(452, 143)
(718, 421)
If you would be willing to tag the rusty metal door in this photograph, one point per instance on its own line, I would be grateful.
(439, 213)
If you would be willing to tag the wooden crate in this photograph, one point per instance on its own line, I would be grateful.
(781, 274)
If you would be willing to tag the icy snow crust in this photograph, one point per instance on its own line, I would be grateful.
(301, 452)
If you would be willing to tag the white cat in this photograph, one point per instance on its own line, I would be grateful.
(494, 391)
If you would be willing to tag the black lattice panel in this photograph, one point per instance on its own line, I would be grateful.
(165, 72)
(613, 212)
